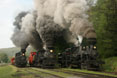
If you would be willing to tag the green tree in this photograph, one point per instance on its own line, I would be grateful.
(3, 57)
(104, 17)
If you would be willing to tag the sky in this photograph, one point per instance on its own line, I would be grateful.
(8, 10)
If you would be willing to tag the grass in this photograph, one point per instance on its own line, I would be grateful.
(10, 71)
(7, 71)
(91, 72)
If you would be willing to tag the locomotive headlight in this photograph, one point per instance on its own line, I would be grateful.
(51, 51)
(84, 47)
(23, 54)
(94, 47)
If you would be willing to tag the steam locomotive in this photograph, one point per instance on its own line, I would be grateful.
(20, 59)
(84, 56)
(43, 59)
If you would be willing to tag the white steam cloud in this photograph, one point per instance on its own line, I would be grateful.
(53, 19)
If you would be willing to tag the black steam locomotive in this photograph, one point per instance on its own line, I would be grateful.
(84, 56)
(45, 59)
(20, 59)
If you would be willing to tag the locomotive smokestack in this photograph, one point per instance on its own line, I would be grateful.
(23, 50)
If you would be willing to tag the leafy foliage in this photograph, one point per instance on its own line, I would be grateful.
(3, 57)
(110, 64)
(104, 17)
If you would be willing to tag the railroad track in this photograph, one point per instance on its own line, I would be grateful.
(64, 74)
(77, 74)
(84, 75)
(33, 73)
(38, 73)
(54, 76)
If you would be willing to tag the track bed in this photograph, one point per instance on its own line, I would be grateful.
(31, 72)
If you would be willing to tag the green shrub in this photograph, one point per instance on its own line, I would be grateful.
(110, 64)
